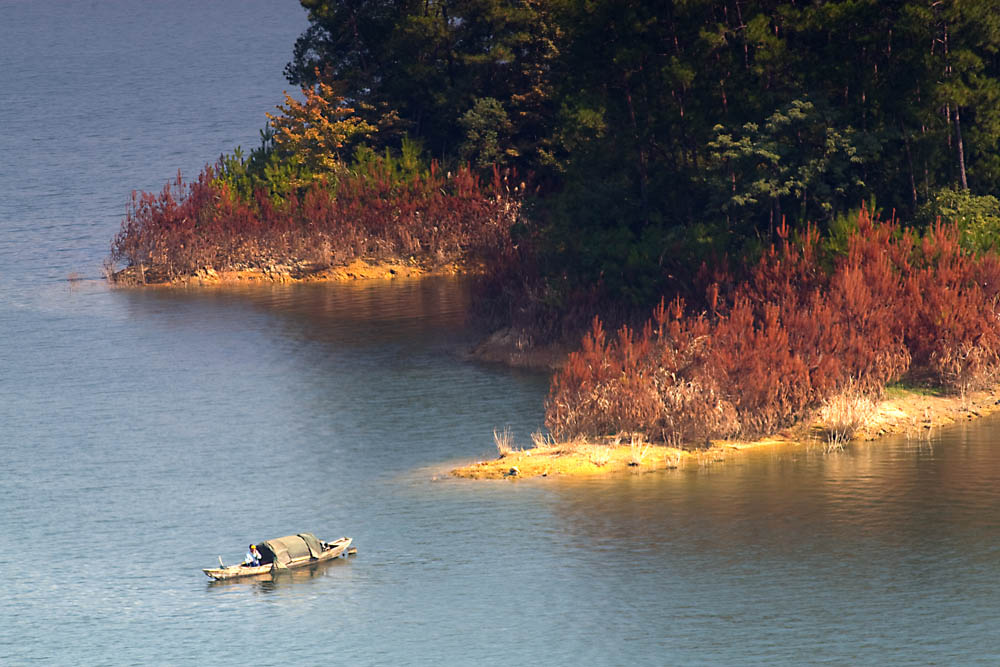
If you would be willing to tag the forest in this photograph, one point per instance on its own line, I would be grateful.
(659, 135)
(814, 181)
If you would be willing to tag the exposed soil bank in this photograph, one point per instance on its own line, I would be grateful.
(902, 412)
(298, 272)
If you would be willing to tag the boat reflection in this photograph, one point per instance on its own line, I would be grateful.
(271, 581)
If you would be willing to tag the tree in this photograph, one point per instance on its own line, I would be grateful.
(661, 132)
(312, 134)
(432, 60)
(798, 163)
(487, 133)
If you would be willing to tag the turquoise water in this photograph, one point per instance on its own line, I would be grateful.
(145, 433)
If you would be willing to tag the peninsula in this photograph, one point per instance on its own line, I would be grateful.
(757, 231)
(909, 412)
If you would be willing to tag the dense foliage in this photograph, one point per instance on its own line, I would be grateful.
(314, 194)
(372, 212)
(773, 347)
(661, 134)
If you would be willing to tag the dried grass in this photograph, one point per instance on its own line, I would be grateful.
(638, 448)
(504, 441)
(541, 440)
(600, 455)
(844, 414)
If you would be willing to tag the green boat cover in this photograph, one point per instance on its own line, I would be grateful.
(291, 549)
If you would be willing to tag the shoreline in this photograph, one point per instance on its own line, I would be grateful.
(299, 272)
(901, 412)
(515, 349)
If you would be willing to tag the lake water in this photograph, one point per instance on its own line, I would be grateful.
(145, 433)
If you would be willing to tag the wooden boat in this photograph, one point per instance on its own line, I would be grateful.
(285, 553)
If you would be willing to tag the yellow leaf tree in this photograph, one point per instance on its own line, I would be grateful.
(312, 133)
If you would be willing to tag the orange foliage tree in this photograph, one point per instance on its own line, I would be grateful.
(313, 133)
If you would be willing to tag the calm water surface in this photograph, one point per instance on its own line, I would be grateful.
(144, 433)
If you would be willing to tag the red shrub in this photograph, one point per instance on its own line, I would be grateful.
(775, 347)
(369, 213)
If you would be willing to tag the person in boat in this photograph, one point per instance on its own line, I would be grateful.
(253, 557)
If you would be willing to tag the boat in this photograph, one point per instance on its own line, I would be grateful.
(285, 553)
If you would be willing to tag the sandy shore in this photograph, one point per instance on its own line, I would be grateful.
(902, 412)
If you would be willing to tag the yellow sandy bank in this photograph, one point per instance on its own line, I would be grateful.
(297, 273)
(901, 412)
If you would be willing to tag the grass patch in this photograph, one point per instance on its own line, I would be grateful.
(599, 455)
(904, 389)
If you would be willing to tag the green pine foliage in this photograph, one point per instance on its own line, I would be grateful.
(698, 126)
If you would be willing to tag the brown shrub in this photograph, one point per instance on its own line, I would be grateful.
(790, 337)
(368, 213)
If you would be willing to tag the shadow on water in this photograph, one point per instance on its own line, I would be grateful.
(367, 366)
(357, 314)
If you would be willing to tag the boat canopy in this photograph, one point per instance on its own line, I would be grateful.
(290, 549)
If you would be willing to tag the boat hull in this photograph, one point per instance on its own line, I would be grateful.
(335, 549)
